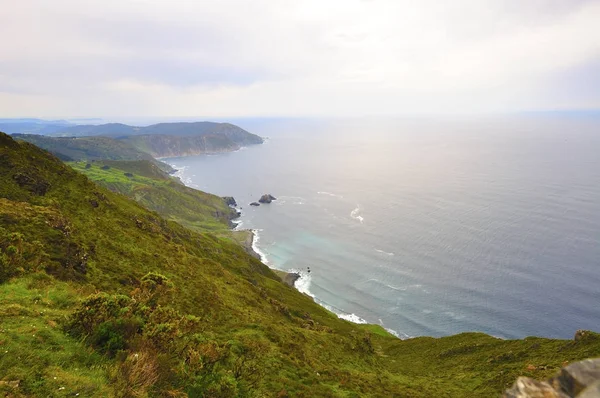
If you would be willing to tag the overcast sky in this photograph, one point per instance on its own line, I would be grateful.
(225, 58)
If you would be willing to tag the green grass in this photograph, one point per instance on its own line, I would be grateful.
(84, 298)
(90, 148)
(33, 348)
(157, 191)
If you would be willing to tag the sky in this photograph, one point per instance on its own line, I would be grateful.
(284, 58)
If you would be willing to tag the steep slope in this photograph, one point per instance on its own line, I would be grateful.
(232, 132)
(101, 297)
(155, 190)
(89, 148)
(161, 146)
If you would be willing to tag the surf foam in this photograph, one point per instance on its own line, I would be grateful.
(181, 174)
(356, 214)
(330, 194)
(255, 239)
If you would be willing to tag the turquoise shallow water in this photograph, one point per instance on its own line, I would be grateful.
(428, 227)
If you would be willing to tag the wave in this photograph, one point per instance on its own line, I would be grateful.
(255, 239)
(356, 214)
(384, 252)
(302, 284)
(414, 286)
(180, 172)
(352, 318)
(295, 200)
(238, 224)
(330, 194)
(402, 336)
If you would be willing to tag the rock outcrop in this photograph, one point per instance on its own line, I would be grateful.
(579, 379)
(267, 198)
(254, 204)
(290, 278)
(230, 201)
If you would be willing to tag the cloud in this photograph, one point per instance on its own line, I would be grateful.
(339, 57)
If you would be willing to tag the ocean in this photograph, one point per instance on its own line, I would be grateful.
(427, 226)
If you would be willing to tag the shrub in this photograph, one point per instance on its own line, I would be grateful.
(136, 374)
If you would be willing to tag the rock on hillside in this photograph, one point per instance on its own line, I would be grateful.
(579, 379)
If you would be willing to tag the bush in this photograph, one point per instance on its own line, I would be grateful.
(136, 374)
(18, 256)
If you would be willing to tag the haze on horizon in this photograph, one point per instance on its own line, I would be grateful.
(73, 58)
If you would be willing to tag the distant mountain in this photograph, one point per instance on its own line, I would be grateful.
(32, 126)
(163, 139)
(89, 130)
(233, 132)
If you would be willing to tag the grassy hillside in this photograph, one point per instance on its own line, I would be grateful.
(90, 148)
(155, 190)
(102, 297)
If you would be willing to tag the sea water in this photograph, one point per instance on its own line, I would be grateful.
(427, 226)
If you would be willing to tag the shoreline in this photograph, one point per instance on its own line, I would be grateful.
(296, 279)
(249, 245)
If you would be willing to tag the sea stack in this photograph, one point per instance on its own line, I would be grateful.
(267, 198)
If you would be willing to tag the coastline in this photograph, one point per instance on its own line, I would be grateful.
(298, 279)
(249, 245)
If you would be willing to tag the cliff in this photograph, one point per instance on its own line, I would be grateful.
(161, 146)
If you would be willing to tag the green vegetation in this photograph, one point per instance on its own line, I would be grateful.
(101, 297)
(157, 191)
(90, 148)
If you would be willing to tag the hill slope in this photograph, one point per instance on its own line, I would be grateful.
(154, 189)
(90, 148)
(101, 297)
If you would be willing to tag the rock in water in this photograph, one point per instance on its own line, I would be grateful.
(254, 204)
(267, 198)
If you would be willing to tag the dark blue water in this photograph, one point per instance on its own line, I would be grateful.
(428, 227)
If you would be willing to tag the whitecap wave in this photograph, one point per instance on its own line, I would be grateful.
(330, 194)
(356, 214)
(352, 318)
(454, 315)
(384, 252)
(302, 284)
(238, 224)
(295, 200)
(402, 336)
